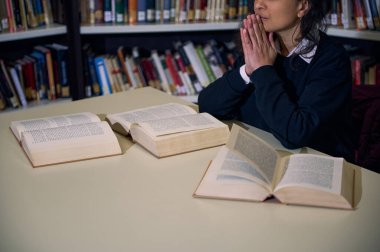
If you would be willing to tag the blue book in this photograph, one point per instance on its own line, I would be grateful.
(166, 11)
(141, 11)
(101, 72)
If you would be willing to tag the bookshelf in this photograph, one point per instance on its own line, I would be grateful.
(51, 30)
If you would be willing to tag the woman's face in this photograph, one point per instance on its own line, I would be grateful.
(280, 16)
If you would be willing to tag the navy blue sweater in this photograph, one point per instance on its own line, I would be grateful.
(301, 104)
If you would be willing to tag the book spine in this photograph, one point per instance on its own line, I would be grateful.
(18, 86)
(161, 72)
(119, 11)
(150, 11)
(205, 64)
(101, 71)
(368, 15)
(132, 5)
(375, 14)
(107, 11)
(141, 11)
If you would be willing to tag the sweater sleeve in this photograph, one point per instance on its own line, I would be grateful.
(296, 122)
(223, 97)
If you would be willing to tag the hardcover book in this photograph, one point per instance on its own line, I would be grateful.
(249, 169)
(65, 138)
(170, 129)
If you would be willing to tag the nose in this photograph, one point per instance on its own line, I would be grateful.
(258, 5)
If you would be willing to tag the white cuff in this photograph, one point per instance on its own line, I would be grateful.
(244, 75)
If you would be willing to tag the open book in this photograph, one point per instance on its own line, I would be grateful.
(65, 138)
(247, 168)
(170, 128)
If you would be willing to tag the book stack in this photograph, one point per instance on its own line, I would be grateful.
(359, 14)
(162, 11)
(184, 70)
(39, 75)
(23, 15)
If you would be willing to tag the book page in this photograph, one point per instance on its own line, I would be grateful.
(236, 169)
(231, 177)
(68, 143)
(255, 150)
(18, 127)
(180, 124)
(313, 171)
(150, 113)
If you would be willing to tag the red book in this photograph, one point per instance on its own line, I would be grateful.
(173, 70)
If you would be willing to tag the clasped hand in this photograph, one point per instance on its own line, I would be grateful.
(259, 48)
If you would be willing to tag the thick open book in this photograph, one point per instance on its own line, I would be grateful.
(170, 128)
(247, 168)
(65, 138)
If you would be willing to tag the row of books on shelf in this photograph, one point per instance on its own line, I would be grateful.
(21, 15)
(39, 75)
(184, 70)
(359, 14)
(162, 11)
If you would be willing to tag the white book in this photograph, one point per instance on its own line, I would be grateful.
(196, 63)
(161, 71)
(18, 86)
(348, 19)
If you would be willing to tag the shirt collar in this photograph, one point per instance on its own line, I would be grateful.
(307, 57)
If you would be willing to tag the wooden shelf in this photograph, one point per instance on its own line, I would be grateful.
(156, 28)
(51, 30)
(354, 34)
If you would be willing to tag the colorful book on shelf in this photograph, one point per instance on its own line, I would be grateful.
(60, 62)
(375, 14)
(41, 74)
(89, 60)
(196, 63)
(31, 15)
(99, 12)
(249, 169)
(49, 71)
(102, 74)
(6, 87)
(141, 11)
(150, 11)
(18, 86)
(170, 129)
(65, 138)
(132, 11)
(161, 72)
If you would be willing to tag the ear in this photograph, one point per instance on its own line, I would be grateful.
(304, 7)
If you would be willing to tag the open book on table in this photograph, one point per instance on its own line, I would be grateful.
(65, 138)
(170, 128)
(247, 168)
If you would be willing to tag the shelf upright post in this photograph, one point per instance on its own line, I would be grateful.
(75, 68)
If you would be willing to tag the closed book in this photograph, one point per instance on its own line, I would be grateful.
(150, 11)
(205, 63)
(196, 63)
(18, 86)
(107, 11)
(99, 12)
(102, 74)
(348, 17)
(375, 14)
(121, 57)
(7, 87)
(141, 11)
(132, 11)
(158, 65)
(49, 71)
(368, 15)
(119, 11)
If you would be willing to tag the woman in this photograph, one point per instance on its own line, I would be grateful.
(294, 81)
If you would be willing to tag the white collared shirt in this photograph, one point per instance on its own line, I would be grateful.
(306, 57)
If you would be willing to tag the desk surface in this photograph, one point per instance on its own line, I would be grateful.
(136, 202)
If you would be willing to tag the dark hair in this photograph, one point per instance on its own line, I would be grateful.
(313, 21)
